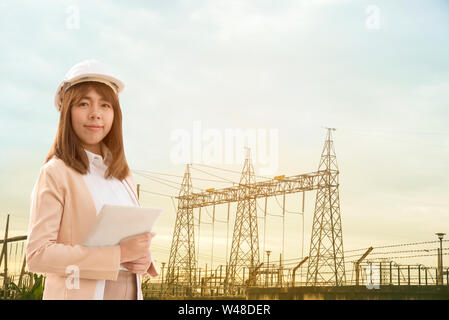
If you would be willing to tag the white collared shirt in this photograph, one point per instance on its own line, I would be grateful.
(107, 191)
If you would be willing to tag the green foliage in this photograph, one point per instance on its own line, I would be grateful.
(25, 293)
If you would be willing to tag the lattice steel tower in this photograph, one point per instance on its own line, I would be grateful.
(245, 239)
(182, 262)
(326, 258)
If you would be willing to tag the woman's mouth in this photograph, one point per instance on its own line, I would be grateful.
(94, 128)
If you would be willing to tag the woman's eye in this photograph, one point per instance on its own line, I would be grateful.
(82, 104)
(106, 105)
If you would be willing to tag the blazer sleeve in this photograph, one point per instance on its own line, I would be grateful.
(43, 252)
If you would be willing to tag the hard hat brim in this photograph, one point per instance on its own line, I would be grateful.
(88, 77)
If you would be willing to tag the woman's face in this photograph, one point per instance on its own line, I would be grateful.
(92, 120)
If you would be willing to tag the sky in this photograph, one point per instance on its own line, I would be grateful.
(377, 71)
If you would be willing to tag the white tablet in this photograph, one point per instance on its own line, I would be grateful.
(115, 223)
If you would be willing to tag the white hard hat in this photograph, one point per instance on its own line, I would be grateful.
(87, 70)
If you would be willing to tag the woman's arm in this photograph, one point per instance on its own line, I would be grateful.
(45, 255)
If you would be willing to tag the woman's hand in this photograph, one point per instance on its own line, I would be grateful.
(139, 266)
(136, 247)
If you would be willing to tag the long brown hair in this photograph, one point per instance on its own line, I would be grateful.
(67, 145)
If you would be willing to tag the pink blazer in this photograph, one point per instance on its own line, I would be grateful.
(61, 214)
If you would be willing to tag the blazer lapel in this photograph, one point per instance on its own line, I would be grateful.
(130, 183)
(86, 203)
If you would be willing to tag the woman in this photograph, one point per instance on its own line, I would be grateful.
(85, 169)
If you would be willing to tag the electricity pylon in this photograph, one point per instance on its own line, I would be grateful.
(182, 262)
(326, 258)
(245, 240)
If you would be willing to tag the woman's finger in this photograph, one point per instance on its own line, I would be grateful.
(138, 270)
(145, 258)
(139, 265)
(133, 266)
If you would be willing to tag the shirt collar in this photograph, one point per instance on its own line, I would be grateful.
(104, 158)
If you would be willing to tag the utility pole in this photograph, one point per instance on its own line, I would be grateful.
(5, 254)
(162, 280)
(357, 265)
(440, 256)
(268, 264)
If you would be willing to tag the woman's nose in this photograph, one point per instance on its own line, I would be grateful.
(95, 112)
(94, 115)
